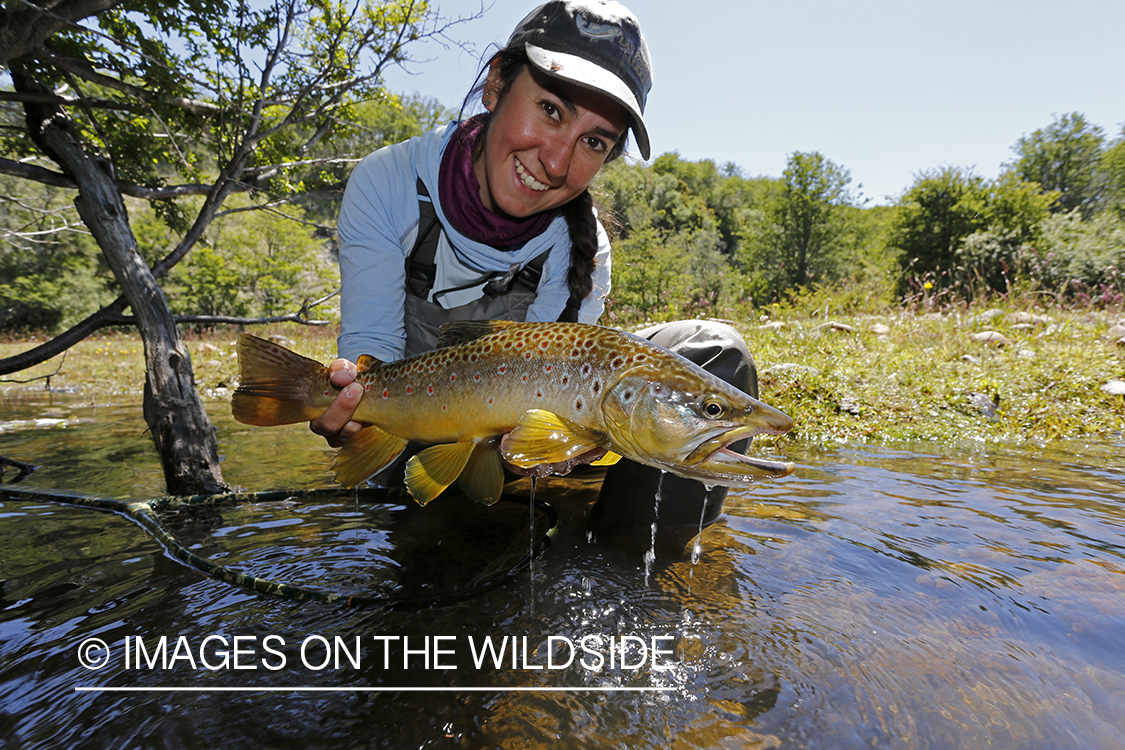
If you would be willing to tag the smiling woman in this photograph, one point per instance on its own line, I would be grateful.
(491, 218)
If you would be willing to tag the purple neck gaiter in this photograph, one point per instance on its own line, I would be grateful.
(459, 191)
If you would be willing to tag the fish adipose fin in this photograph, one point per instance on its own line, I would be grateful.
(366, 362)
(541, 437)
(483, 476)
(434, 469)
(274, 384)
(366, 453)
(464, 331)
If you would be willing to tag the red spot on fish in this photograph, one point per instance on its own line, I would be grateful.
(490, 402)
(524, 378)
(618, 362)
(386, 393)
(452, 376)
(409, 390)
(476, 378)
(539, 394)
(548, 368)
(527, 355)
(430, 390)
(502, 369)
(433, 367)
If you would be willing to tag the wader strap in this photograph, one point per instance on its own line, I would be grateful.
(421, 264)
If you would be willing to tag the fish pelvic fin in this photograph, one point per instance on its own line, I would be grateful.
(429, 472)
(463, 331)
(366, 453)
(275, 384)
(609, 459)
(542, 437)
(483, 476)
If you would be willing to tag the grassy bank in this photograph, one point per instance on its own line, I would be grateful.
(882, 378)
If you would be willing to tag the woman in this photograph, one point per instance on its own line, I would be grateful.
(491, 218)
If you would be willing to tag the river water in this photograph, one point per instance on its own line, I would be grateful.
(906, 597)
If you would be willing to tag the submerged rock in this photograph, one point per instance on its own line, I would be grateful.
(984, 404)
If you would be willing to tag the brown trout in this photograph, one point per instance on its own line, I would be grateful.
(551, 391)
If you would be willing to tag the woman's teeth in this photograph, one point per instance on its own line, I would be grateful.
(528, 180)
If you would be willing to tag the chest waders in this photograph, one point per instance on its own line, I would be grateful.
(507, 295)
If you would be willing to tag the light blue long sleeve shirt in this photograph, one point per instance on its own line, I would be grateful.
(378, 225)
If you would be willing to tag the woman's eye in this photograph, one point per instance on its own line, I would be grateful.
(550, 109)
(597, 144)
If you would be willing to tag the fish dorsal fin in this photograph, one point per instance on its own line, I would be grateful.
(541, 437)
(483, 476)
(464, 331)
(434, 469)
(366, 362)
(367, 452)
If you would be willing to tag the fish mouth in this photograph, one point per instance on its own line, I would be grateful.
(726, 466)
(713, 460)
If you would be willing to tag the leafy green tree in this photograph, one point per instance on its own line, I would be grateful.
(941, 209)
(1064, 157)
(1082, 260)
(1113, 168)
(803, 229)
(203, 98)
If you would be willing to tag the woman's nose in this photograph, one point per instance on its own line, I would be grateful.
(555, 156)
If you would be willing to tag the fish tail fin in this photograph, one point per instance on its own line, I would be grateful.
(276, 385)
(434, 469)
(483, 476)
(366, 453)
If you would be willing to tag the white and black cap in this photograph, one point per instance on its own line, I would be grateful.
(597, 44)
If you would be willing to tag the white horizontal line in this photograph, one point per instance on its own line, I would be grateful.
(566, 689)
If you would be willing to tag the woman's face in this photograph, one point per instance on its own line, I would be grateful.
(546, 141)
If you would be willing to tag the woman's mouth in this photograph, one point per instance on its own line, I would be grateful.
(528, 180)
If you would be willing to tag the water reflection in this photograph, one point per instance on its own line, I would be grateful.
(919, 598)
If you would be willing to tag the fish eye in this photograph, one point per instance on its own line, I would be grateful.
(712, 409)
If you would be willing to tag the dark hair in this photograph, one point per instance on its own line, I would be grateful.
(581, 222)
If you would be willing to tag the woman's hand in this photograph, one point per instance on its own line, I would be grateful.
(336, 424)
(562, 468)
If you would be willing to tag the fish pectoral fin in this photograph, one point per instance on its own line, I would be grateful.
(432, 470)
(542, 437)
(366, 453)
(609, 459)
(483, 476)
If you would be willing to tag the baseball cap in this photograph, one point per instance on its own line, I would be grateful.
(597, 44)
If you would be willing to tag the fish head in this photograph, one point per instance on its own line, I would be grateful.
(682, 419)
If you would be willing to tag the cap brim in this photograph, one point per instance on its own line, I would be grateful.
(585, 73)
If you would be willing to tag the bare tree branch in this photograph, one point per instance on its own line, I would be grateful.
(24, 29)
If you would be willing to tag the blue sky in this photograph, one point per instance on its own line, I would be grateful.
(884, 89)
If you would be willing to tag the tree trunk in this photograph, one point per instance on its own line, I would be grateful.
(184, 437)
